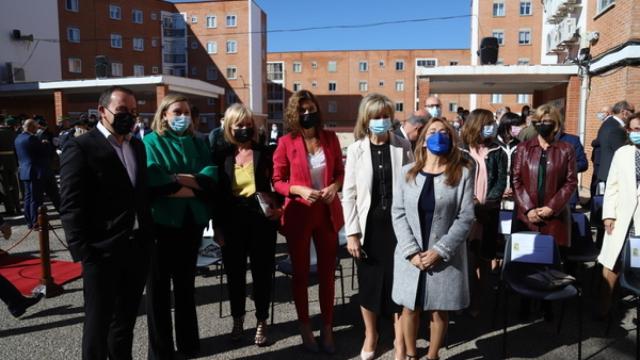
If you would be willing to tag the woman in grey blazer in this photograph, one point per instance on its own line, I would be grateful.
(432, 214)
(374, 162)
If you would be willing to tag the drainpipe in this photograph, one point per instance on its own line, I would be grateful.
(584, 97)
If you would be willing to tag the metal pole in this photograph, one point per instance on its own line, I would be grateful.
(51, 288)
(582, 116)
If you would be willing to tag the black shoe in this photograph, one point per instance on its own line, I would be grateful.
(26, 303)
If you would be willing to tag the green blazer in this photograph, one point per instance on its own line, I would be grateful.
(172, 154)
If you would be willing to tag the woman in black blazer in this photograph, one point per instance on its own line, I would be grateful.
(245, 175)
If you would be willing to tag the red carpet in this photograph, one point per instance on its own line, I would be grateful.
(24, 272)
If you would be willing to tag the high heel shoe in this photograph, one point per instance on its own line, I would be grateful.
(261, 338)
(238, 328)
(369, 355)
(327, 348)
(308, 340)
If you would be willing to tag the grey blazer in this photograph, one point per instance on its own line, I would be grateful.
(446, 285)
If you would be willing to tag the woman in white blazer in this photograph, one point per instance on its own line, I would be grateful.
(620, 210)
(374, 163)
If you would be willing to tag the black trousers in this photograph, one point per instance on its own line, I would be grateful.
(10, 295)
(112, 290)
(249, 234)
(173, 261)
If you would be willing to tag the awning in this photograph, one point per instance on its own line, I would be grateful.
(495, 79)
(143, 84)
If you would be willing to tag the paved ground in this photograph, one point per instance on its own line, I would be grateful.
(52, 329)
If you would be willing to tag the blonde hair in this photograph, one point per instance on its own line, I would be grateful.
(234, 115)
(159, 124)
(370, 106)
(554, 114)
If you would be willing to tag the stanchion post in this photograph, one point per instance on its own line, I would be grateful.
(51, 288)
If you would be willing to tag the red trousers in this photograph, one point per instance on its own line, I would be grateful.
(313, 221)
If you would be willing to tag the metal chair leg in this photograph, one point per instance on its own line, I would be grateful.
(353, 273)
(273, 295)
(562, 309)
(342, 283)
(496, 306)
(579, 324)
(221, 282)
(504, 326)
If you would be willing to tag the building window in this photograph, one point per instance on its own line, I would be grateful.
(232, 46)
(363, 86)
(231, 96)
(381, 64)
(498, 8)
(137, 16)
(72, 5)
(332, 66)
(116, 41)
(381, 83)
(498, 34)
(138, 44)
(314, 65)
(155, 69)
(138, 70)
(75, 65)
(116, 69)
(115, 12)
(73, 34)
(399, 65)
(332, 86)
(275, 71)
(154, 42)
(399, 85)
(496, 98)
(194, 71)
(332, 107)
(314, 84)
(212, 73)
(523, 98)
(524, 37)
(210, 101)
(212, 47)
(297, 67)
(523, 61)
(399, 106)
(194, 19)
(426, 63)
(275, 111)
(453, 107)
(211, 22)
(602, 4)
(232, 21)
(453, 63)
(194, 44)
(525, 8)
(154, 16)
(297, 86)
(275, 91)
(232, 72)
(363, 66)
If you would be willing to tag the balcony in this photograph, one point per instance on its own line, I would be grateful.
(558, 10)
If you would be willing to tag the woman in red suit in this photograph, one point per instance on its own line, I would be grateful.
(308, 171)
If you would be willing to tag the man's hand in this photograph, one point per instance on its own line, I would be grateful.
(609, 224)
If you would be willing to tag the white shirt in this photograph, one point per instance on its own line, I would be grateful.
(618, 120)
(317, 168)
(126, 156)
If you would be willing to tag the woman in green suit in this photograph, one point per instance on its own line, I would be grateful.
(181, 178)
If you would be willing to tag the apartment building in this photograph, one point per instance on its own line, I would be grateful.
(340, 79)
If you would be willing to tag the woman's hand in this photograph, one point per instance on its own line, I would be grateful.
(218, 237)
(545, 212)
(416, 260)
(609, 224)
(533, 216)
(188, 180)
(508, 194)
(184, 192)
(430, 258)
(309, 194)
(353, 245)
(329, 193)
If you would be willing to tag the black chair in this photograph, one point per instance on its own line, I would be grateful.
(630, 280)
(583, 249)
(210, 254)
(284, 266)
(514, 272)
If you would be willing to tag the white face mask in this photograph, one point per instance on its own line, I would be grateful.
(601, 116)
(434, 111)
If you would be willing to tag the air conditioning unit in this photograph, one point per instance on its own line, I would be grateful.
(10, 74)
(568, 29)
(103, 67)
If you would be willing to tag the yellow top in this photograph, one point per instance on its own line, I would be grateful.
(244, 183)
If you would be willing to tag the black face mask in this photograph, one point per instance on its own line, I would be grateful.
(309, 120)
(544, 129)
(243, 135)
(122, 122)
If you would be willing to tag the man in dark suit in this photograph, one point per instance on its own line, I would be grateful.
(34, 170)
(410, 128)
(106, 218)
(9, 168)
(612, 135)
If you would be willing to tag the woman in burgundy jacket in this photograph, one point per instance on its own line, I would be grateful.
(544, 178)
(308, 171)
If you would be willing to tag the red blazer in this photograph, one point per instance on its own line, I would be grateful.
(291, 167)
(560, 184)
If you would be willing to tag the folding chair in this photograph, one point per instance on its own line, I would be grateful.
(630, 277)
(286, 267)
(209, 254)
(527, 253)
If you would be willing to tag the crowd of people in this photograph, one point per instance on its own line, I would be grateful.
(420, 204)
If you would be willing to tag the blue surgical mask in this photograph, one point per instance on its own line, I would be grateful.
(438, 143)
(634, 136)
(489, 131)
(379, 126)
(434, 111)
(180, 123)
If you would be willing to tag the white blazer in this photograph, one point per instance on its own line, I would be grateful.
(620, 203)
(358, 179)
